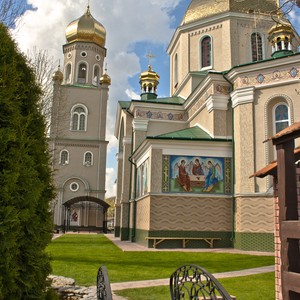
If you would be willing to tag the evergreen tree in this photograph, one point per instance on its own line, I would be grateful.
(25, 179)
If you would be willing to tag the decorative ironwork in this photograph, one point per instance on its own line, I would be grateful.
(103, 285)
(191, 282)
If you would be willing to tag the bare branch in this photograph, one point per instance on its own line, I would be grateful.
(10, 10)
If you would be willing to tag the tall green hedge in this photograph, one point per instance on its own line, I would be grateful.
(25, 179)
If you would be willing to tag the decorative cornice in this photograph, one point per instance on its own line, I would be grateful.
(218, 102)
(140, 125)
(242, 96)
(206, 30)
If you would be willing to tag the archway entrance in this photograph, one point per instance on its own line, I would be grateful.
(85, 213)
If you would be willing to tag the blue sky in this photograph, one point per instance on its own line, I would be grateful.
(134, 27)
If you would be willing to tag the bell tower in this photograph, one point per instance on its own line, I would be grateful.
(78, 127)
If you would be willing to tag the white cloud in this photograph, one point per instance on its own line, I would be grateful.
(110, 182)
(127, 22)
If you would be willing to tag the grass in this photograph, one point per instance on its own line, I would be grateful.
(79, 257)
(254, 287)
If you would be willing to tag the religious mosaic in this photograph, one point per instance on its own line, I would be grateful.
(196, 174)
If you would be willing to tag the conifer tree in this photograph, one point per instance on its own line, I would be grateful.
(25, 179)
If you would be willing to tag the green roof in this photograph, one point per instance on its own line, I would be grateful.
(166, 100)
(124, 104)
(193, 133)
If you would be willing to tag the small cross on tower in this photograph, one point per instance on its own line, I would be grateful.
(150, 57)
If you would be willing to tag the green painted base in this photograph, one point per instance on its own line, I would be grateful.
(124, 234)
(225, 241)
(117, 231)
(254, 241)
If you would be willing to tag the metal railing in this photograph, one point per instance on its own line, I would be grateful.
(191, 282)
(103, 285)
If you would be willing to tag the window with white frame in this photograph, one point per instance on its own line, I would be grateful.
(82, 73)
(64, 157)
(206, 52)
(96, 76)
(88, 159)
(256, 46)
(68, 73)
(79, 118)
(281, 117)
(176, 69)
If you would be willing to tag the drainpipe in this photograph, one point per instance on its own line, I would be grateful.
(233, 165)
(133, 234)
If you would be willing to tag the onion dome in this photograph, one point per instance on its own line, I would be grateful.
(200, 9)
(86, 29)
(105, 79)
(149, 81)
(281, 36)
(58, 75)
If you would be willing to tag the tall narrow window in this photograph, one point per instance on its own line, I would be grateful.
(68, 73)
(82, 72)
(96, 76)
(176, 69)
(206, 56)
(256, 45)
(79, 116)
(64, 157)
(88, 158)
(281, 117)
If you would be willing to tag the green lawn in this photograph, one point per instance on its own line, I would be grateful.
(254, 287)
(79, 257)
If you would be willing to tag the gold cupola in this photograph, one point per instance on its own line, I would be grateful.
(105, 79)
(149, 81)
(281, 36)
(86, 29)
(58, 76)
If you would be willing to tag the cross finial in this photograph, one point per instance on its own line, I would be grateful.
(150, 57)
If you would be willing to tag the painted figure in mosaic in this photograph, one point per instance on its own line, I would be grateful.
(197, 168)
(184, 177)
(211, 178)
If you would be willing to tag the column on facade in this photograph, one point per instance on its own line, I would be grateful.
(244, 156)
(125, 192)
(117, 221)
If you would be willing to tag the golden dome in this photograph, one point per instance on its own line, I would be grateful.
(58, 75)
(86, 29)
(149, 80)
(200, 9)
(105, 79)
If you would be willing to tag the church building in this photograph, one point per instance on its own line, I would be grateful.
(184, 161)
(78, 124)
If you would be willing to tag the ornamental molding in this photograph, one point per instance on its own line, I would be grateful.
(217, 102)
(274, 76)
(205, 30)
(158, 115)
(140, 125)
(242, 96)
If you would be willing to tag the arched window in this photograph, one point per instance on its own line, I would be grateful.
(68, 73)
(96, 75)
(121, 138)
(79, 119)
(206, 52)
(281, 117)
(88, 159)
(64, 157)
(82, 73)
(256, 46)
(176, 69)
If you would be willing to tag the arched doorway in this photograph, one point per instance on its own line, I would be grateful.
(85, 213)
